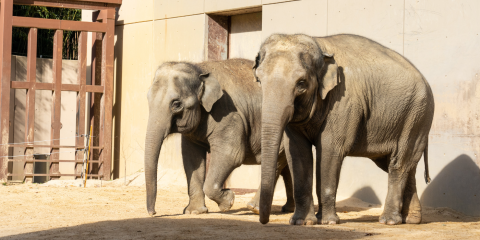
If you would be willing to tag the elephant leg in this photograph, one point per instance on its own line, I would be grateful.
(401, 185)
(300, 159)
(412, 209)
(328, 169)
(288, 181)
(220, 167)
(254, 205)
(194, 165)
(393, 205)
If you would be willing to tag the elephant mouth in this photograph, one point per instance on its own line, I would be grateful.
(312, 111)
(182, 126)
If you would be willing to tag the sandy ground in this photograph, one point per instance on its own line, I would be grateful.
(66, 211)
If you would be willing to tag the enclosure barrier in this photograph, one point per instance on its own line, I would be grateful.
(103, 29)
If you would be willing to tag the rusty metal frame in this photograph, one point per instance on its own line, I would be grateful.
(104, 29)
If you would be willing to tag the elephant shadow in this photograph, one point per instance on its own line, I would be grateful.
(367, 194)
(186, 228)
(457, 186)
(276, 210)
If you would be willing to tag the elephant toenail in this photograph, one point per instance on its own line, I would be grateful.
(299, 222)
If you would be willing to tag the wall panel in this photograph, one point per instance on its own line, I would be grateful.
(245, 35)
(227, 5)
(179, 39)
(442, 40)
(169, 9)
(379, 20)
(134, 11)
(133, 76)
(307, 17)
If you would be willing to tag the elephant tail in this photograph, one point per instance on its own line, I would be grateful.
(425, 159)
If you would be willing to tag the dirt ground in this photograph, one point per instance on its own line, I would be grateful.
(32, 211)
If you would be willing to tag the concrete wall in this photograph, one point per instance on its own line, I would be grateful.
(440, 37)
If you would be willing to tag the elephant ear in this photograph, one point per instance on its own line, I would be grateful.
(255, 66)
(328, 75)
(211, 91)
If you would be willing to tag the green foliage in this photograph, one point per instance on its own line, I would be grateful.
(45, 36)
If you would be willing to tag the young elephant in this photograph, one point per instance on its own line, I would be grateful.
(216, 106)
(348, 96)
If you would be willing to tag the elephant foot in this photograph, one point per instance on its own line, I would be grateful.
(288, 207)
(227, 201)
(297, 220)
(152, 213)
(253, 206)
(328, 219)
(195, 210)
(412, 209)
(390, 218)
(412, 217)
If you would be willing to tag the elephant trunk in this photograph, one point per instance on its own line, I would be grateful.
(274, 121)
(156, 133)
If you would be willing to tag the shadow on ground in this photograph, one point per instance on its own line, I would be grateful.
(367, 194)
(164, 228)
(457, 187)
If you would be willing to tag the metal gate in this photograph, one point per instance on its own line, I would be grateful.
(103, 29)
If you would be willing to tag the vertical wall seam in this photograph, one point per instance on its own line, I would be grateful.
(403, 34)
(153, 40)
(327, 19)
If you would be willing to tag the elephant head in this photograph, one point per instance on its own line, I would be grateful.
(295, 75)
(175, 100)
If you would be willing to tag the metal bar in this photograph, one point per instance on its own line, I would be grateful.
(100, 98)
(54, 175)
(100, 1)
(82, 80)
(71, 87)
(82, 26)
(56, 98)
(30, 85)
(6, 11)
(106, 15)
(107, 82)
(94, 117)
(30, 100)
(29, 22)
(44, 86)
(91, 5)
(94, 89)
(20, 85)
(51, 146)
(36, 160)
(42, 23)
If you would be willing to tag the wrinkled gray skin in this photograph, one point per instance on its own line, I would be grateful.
(348, 96)
(216, 106)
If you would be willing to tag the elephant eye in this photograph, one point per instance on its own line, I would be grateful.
(176, 105)
(301, 85)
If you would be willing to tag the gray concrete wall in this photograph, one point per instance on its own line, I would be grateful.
(440, 37)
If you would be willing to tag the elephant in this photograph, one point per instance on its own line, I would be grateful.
(216, 107)
(347, 96)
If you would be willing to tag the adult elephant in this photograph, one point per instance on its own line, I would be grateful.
(348, 96)
(216, 106)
